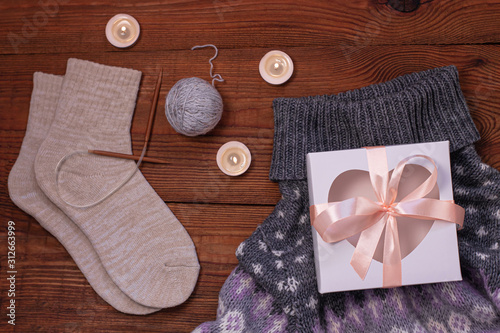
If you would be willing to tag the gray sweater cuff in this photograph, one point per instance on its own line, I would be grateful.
(419, 107)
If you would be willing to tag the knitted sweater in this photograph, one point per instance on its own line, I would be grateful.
(273, 289)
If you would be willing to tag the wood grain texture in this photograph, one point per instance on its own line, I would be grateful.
(336, 46)
(76, 26)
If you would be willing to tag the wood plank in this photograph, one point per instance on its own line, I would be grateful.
(52, 289)
(336, 46)
(193, 175)
(76, 26)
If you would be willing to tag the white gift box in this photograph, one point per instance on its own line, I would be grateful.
(429, 249)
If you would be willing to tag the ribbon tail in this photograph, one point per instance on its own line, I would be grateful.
(392, 271)
(432, 209)
(365, 249)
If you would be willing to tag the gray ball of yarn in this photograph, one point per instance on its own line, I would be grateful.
(193, 106)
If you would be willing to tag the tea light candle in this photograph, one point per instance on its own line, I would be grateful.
(233, 158)
(122, 30)
(276, 67)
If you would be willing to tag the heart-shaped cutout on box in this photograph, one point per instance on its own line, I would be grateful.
(356, 183)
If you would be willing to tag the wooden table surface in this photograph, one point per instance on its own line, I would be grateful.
(336, 45)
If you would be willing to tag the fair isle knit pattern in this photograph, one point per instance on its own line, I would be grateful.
(273, 289)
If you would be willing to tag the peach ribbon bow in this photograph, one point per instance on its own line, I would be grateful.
(336, 221)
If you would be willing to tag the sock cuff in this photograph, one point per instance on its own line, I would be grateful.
(418, 107)
(46, 90)
(49, 83)
(99, 98)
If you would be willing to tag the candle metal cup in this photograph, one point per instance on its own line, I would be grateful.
(233, 158)
(122, 30)
(276, 67)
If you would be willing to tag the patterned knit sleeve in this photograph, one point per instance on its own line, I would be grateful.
(476, 187)
(244, 307)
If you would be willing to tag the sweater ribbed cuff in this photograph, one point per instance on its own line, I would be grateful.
(414, 108)
(103, 96)
(46, 90)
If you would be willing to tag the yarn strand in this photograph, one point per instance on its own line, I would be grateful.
(125, 180)
(193, 105)
(215, 77)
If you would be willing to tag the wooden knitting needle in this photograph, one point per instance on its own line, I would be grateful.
(153, 109)
(148, 132)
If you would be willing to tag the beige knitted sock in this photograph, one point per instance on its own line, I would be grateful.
(25, 193)
(142, 245)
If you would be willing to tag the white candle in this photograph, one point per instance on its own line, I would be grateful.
(122, 30)
(276, 67)
(233, 158)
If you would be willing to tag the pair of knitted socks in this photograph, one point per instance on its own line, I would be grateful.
(130, 247)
